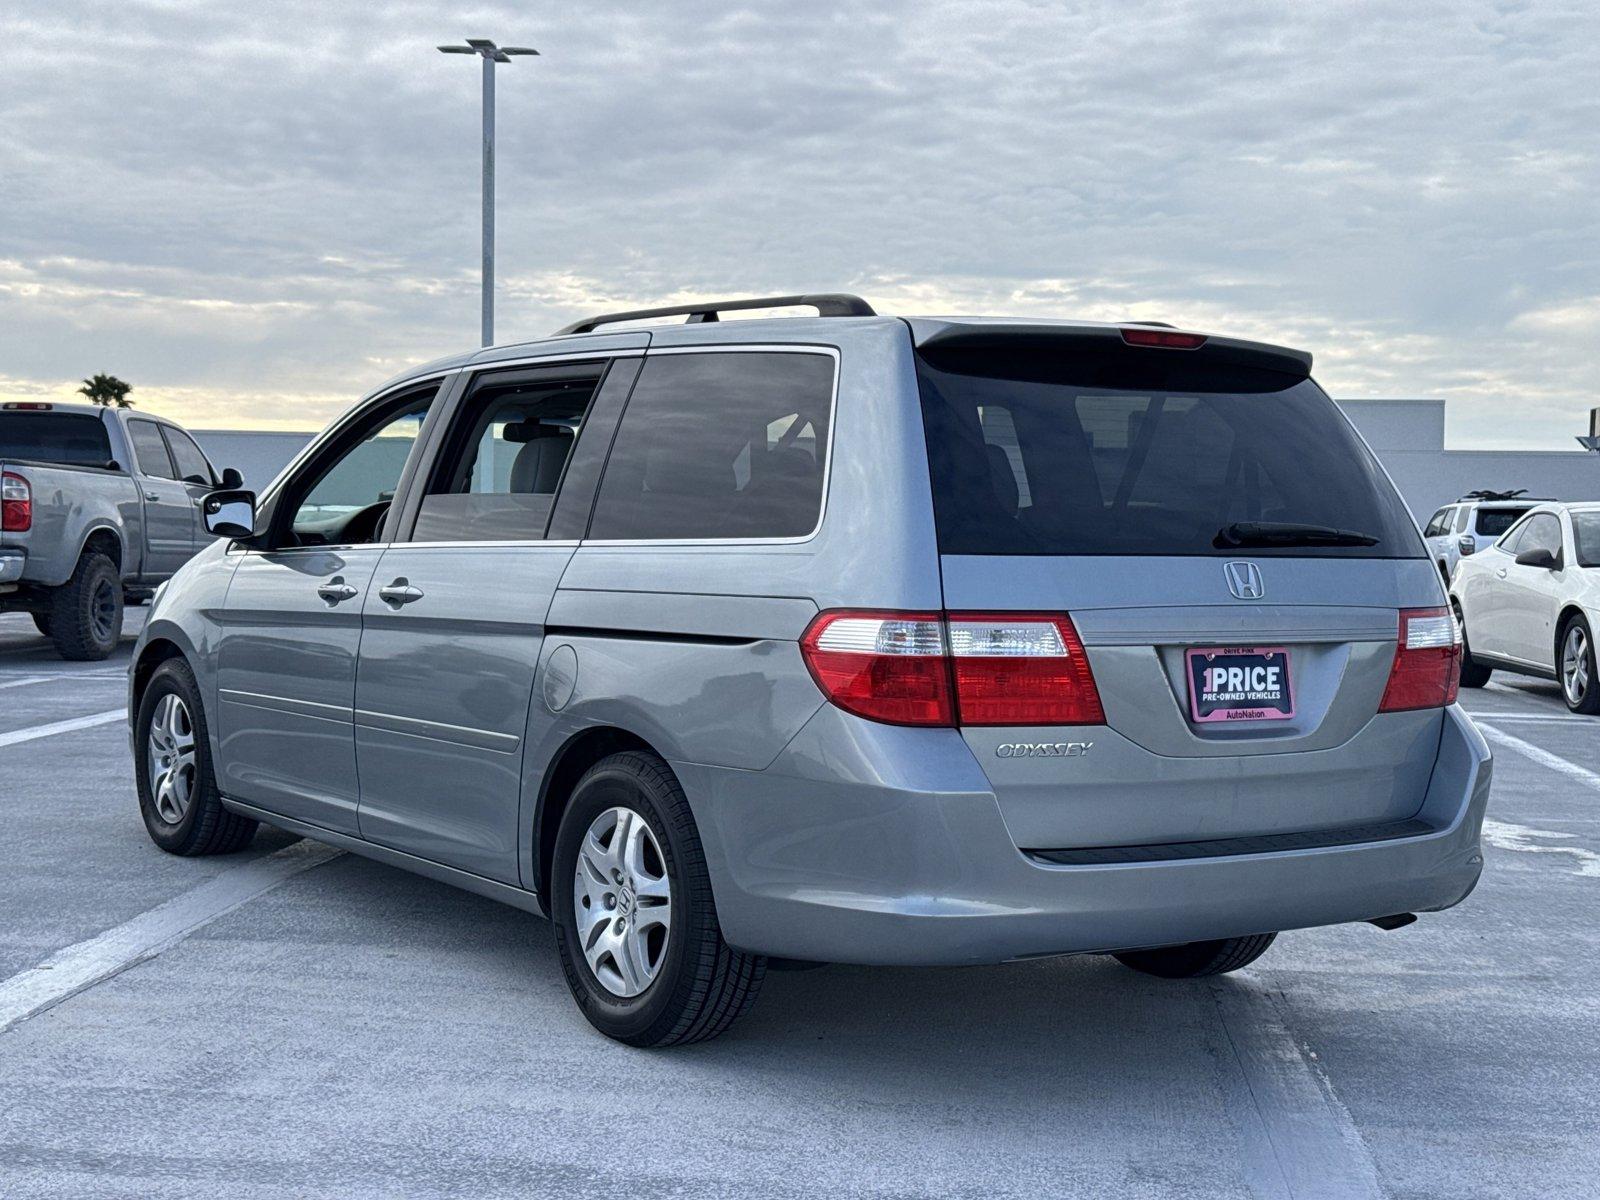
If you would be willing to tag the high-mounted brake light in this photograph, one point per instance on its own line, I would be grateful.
(1427, 661)
(26, 406)
(16, 503)
(1164, 339)
(955, 668)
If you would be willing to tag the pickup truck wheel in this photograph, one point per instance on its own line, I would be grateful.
(635, 923)
(86, 612)
(178, 795)
(41, 622)
(1198, 959)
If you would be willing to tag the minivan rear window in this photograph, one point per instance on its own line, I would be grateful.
(1080, 452)
(76, 439)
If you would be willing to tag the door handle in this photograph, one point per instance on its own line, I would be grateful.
(152, 496)
(400, 593)
(1500, 572)
(336, 590)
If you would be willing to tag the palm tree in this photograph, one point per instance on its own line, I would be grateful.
(107, 391)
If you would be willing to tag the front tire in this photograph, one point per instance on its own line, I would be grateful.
(41, 622)
(178, 795)
(86, 612)
(635, 922)
(1195, 960)
(1575, 667)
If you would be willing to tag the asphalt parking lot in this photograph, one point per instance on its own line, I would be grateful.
(333, 1027)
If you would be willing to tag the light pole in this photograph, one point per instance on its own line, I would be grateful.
(491, 54)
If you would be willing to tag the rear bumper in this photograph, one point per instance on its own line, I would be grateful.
(12, 564)
(868, 843)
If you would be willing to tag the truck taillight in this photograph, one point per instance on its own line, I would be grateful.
(956, 668)
(16, 504)
(1427, 661)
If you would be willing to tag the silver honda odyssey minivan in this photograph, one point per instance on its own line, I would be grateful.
(833, 638)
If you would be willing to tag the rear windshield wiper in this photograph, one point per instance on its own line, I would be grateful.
(1287, 533)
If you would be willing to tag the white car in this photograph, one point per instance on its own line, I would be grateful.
(1530, 602)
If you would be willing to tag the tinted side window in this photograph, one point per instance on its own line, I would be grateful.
(1509, 542)
(192, 464)
(150, 448)
(505, 456)
(1462, 513)
(1438, 523)
(720, 445)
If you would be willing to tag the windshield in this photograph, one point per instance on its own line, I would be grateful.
(1074, 453)
(1586, 537)
(77, 439)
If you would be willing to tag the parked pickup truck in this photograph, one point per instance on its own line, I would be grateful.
(97, 507)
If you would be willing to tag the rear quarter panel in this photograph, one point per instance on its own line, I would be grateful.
(70, 503)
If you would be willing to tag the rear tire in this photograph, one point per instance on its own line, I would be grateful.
(1575, 667)
(1198, 959)
(692, 986)
(1473, 674)
(41, 622)
(178, 796)
(86, 612)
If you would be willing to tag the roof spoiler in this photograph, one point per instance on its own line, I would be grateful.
(930, 334)
(827, 304)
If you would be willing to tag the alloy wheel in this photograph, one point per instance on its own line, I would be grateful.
(1575, 665)
(170, 758)
(623, 902)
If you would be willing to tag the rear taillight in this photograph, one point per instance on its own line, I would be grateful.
(16, 503)
(1427, 661)
(1021, 669)
(953, 668)
(886, 666)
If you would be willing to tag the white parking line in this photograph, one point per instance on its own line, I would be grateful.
(1298, 1140)
(1506, 836)
(1541, 756)
(1557, 717)
(18, 736)
(87, 963)
(7, 681)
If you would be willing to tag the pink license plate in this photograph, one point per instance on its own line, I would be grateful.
(1239, 683)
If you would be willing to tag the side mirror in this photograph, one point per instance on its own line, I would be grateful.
(232, 481)
(1465, 544)
(1539, 558)
(230, 513)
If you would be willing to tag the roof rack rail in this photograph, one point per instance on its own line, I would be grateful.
(1486, 494)
(827, 304)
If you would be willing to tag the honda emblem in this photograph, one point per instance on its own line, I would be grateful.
(1244, 580)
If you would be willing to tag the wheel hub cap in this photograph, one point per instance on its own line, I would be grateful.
(1575, 665)
(170, 758)
(622, 899)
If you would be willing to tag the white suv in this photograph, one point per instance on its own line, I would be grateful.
(1470, 524)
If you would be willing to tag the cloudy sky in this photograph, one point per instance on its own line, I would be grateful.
(256, 211)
